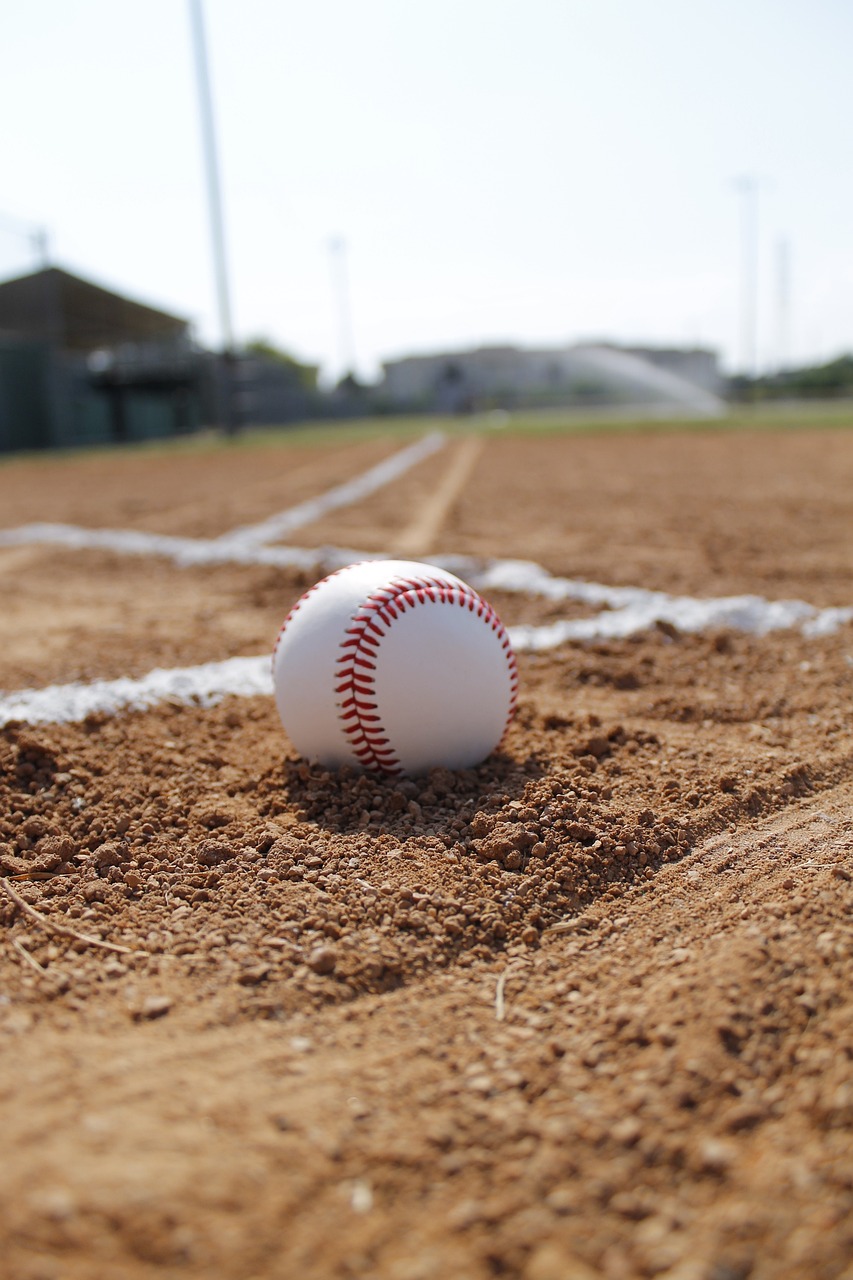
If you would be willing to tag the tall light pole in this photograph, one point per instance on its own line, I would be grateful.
(748, 185)
(214, 201)
(783, 305)
(340, 283)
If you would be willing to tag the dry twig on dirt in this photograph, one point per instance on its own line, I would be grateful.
(500, 1006)
(35, 875)
(63, 930)
(25, 955)
(500, 1001)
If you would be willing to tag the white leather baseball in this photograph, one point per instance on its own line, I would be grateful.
(394, 666)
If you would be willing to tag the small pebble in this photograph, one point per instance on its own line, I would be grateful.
(323, 960)
(152, 1007)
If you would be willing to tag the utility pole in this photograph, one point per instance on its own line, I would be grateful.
(748, 185)
(41, 247)
(214, 201)
(37, 236)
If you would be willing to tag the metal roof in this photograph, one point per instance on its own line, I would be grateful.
(55, 306)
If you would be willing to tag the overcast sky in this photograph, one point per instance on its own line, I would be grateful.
(526, 171)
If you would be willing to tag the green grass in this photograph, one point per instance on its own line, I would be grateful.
(803, 417)
(742, 418)
(785, 417)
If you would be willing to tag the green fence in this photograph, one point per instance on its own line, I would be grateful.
(25, 401)
(49, 402)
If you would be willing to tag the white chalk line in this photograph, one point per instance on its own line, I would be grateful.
(636, 610)
(630, 609)
(625, 610)
(204, 685)
(247, 543)
(342, 495)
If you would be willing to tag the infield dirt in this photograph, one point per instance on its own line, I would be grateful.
(581, 1012)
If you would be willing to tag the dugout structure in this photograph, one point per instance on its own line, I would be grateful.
(82, 365)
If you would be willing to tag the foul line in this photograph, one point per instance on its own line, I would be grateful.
(628, 609)
(421, 534)
(343, 495)
(244, 545)
(636, 610)
(204, 686)
(624, 611)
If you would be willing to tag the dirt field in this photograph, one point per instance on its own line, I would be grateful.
(583, 1011)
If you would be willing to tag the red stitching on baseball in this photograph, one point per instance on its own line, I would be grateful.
(363, 731)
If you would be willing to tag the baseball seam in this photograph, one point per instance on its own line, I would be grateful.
(355, 677)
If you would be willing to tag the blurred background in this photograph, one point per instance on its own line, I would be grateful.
(267, 211)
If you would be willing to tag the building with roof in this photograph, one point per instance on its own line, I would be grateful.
(589, 374)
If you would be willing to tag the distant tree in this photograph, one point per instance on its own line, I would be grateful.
(833, 379)
(304, 375)
(349, 385)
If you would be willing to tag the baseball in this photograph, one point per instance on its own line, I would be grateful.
(396, 667)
